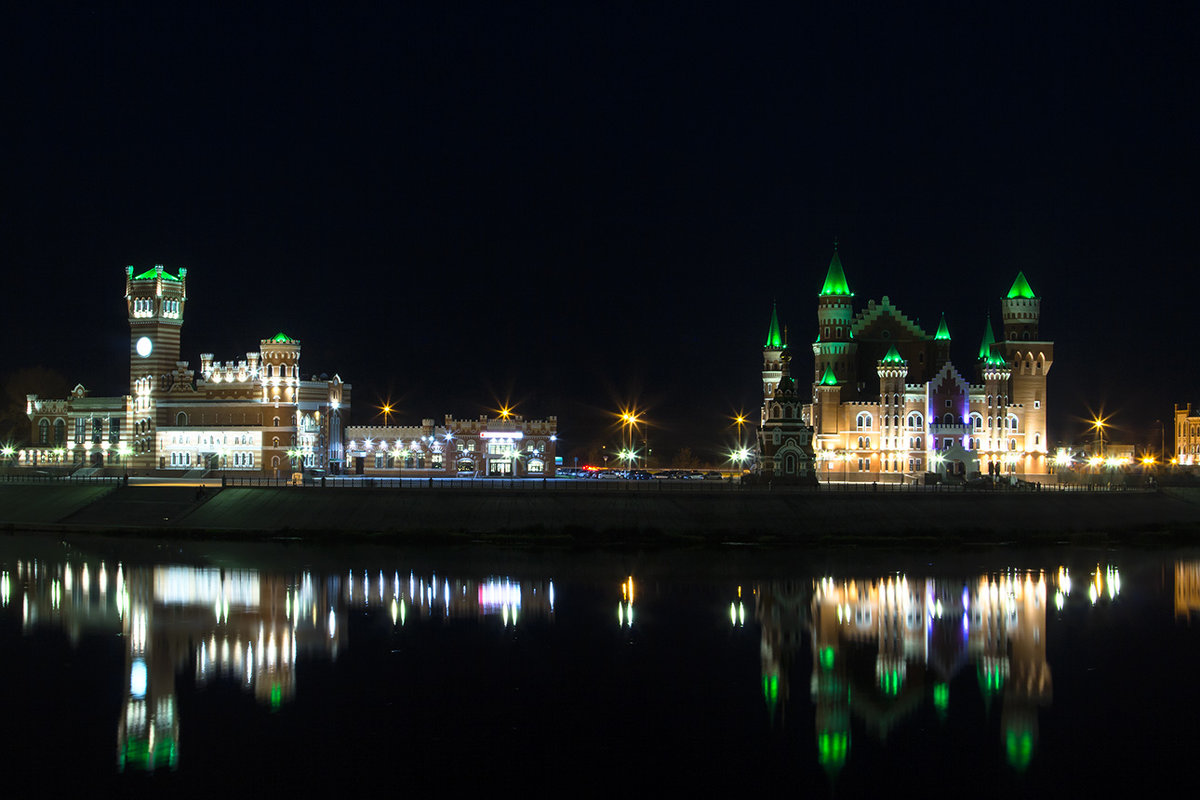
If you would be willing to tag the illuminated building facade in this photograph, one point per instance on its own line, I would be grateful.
(508, 446)
(1187, 435)
(886, 399)
(257, 415)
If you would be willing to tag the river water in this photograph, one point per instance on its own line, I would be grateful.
(214, 669)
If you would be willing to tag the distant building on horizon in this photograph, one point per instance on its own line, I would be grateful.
(887, 401)
(1187, 435)
(257, 416)
(508, 446)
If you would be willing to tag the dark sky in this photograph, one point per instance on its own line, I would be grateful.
(577, 205)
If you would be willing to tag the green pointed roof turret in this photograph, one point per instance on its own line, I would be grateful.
(835, 278)
(153, 273)
(1021, 288)
(989, 338)
(995, 360)
(774, 338)
(281, 338)
(893, 356)
(943, 332)
(828, 379)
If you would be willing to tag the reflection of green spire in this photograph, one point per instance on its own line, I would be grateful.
(835, 279)
(774, 339)
(1021, 288)
(943, 332)
(828, 379)
(893, 356)
(989, 338)
(826, 656)
(832, 749)
(941, 698)
(1018, 746)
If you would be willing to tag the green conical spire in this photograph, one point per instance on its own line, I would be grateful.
(943, 332)
(893, 356)
(1021, 288)
(774, 338)
(835, 279)
(989, 338)
(828, 379)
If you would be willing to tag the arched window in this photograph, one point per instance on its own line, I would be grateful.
(948, 419)
(789, 464)
(915, 421)
(896, 420)
(181, 419)
(43, 431)
(60, 432)
(863, 421)
(1012, 422)
(275, 423)
(976, 421)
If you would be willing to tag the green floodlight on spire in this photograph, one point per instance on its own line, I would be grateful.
(774, 337)
(828, 379)
(1021, 288)
(835, 279)
(281, 338)
(989, 338)
(943, 332)
(893, 356)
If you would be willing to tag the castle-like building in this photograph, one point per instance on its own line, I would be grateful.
(257, 415)
(887, 401)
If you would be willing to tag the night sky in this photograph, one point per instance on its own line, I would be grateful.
(574, 206)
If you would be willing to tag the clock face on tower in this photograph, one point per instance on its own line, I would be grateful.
(144, 346)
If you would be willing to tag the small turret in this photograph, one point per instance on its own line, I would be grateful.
(1022, 311)
(941, 341)
(773, 350)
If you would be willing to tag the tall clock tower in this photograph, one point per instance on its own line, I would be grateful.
(156, 300)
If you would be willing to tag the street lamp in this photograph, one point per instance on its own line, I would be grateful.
(1098, 424)
(739, 457)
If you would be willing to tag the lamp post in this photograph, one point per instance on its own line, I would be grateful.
(1098, 425)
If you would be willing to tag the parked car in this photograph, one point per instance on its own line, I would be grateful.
(639, 475)
(713, 476)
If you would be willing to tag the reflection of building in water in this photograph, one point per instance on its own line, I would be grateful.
(241, 625)
(918, 637)
(782, 612)
(1187, 589)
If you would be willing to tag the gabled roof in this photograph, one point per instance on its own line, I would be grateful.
(876, 311)
(774, 338)
(989, 338)
(1021, 288)
(943, 332)
(835, 279)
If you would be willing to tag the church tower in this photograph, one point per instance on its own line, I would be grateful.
(1029, 358)
(772, 366)
(784, 440)
(835, 348)
(155, 300)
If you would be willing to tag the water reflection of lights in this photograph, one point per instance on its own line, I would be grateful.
(737, 611)
(625, 607)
